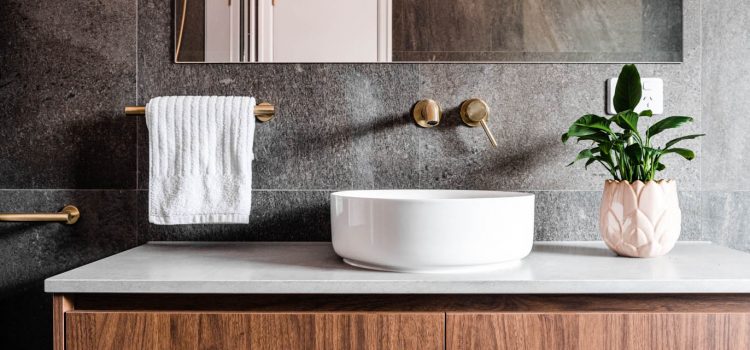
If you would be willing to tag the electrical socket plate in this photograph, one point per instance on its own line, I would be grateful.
(652, 97)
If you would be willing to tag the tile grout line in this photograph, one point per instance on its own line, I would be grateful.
(137, 124)
(419, 134)
(702, 218)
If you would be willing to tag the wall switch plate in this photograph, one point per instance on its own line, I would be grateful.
(652, 96)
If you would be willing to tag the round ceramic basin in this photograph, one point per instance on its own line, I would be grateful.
(432, 230)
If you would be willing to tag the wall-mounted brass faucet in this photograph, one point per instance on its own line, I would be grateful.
(475, 112)
(427, 113)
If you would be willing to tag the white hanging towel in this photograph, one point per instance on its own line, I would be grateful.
(200, 159)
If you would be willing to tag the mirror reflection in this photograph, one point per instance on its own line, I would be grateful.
(428, 31)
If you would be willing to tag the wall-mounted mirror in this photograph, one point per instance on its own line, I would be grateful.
(428, 31)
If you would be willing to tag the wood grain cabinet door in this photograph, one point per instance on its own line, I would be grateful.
(348, 331)
(596, 331)
(289, 331)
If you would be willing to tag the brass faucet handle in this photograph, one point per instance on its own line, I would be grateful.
(427, 113)
(475, 112)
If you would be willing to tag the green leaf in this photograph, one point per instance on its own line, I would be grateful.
(590, 121)
(688, 137)
(646, 113)
(628, 89)
(684, 152)
(649, 151)
(600, 159)
(667, 123)
(598, 137)
(660, 166)
(588, 126)
(589, 162)
(634, 151)
(585, 154)
(627, 120)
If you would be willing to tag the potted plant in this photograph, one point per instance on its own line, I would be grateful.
(639, 216)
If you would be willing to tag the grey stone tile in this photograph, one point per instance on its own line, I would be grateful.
(373, 103)
(725, 93)
(567, 215)
(574, 215)
(453, 155)
(67, 69)
(725, 220)
(691, 207)
(34, 251)
(725, 24)
(691, 34)
(275, 216)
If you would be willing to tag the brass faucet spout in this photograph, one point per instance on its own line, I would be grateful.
(427, 113)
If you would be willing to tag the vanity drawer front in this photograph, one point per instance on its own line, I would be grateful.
(86, 330)
(102, 330)
(348, 331)
(606, 330)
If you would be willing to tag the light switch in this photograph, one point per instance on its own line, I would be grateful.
(652, 95)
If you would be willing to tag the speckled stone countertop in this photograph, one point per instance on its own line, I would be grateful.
(300, 268)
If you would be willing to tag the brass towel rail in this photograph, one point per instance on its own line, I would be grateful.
(263, 111)
(68, 215)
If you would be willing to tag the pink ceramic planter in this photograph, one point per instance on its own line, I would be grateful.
(640, 219)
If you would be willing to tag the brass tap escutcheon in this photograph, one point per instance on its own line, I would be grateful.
(427, 113)
(475, 112)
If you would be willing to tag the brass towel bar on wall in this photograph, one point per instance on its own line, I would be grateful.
(263, 111)
(68, 215)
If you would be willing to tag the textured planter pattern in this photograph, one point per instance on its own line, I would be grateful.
(640, 219)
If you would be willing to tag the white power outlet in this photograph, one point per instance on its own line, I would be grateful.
(652, 97)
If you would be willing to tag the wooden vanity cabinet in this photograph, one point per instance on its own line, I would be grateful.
(598, 330)
(250, 330)
(88, 321)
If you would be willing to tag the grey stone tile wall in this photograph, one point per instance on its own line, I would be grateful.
(67, 69)
(31, 252)
(725, 217)
(726, 91)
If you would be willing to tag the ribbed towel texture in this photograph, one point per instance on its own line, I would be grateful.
(200, 159)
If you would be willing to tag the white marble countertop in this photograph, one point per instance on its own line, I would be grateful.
(302, 268)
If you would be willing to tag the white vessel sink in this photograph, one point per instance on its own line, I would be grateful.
(432, 230)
